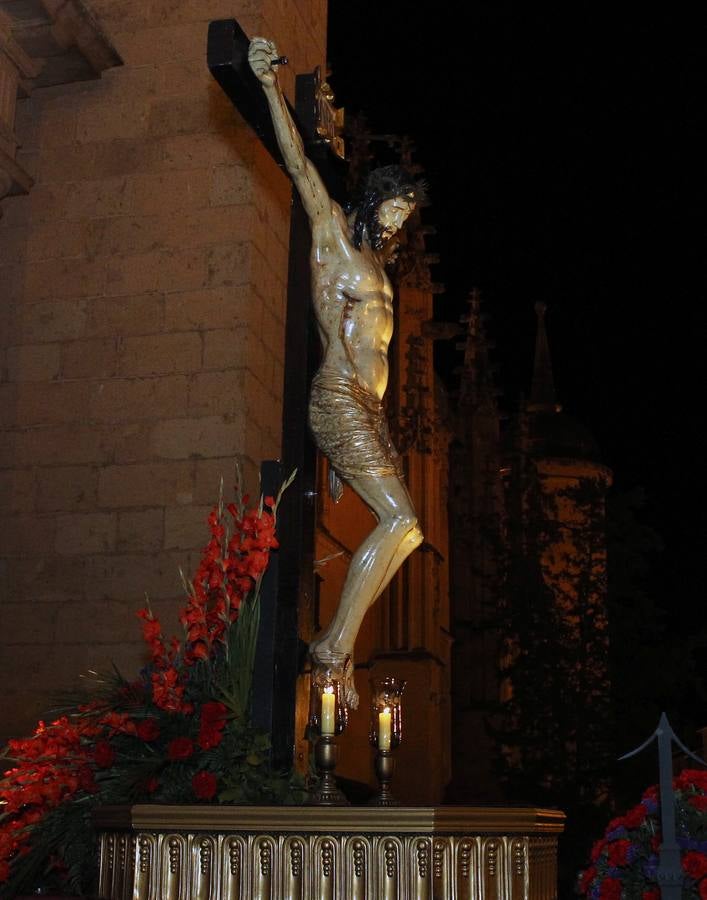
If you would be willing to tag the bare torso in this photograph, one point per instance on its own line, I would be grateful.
(352, 299)
(353, 304)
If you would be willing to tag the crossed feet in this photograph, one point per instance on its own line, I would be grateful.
(327, 656)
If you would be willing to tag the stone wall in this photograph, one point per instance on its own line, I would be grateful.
(143, 284)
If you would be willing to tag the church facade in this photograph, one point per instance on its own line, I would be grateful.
(143, 268)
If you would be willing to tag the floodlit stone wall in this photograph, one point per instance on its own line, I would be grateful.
(143, 289)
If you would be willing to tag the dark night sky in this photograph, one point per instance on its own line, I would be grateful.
(566, 163)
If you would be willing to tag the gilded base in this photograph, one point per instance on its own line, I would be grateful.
(315, 853)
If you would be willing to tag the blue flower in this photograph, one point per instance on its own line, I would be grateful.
(613, 872)
(650, 867)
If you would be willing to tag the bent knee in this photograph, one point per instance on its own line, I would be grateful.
(415, 536)
(406, 524)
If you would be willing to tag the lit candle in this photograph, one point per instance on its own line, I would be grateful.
(384, 729)
(328, 711)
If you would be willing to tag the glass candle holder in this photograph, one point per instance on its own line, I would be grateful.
(386, 728)
(328, 717)
(328, 714)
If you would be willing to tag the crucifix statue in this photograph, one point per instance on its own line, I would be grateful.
(352, 298)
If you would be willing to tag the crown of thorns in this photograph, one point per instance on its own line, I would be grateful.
(388, 182)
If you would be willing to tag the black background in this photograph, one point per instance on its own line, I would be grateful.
(566, 163)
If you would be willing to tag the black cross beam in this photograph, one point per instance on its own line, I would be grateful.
(227, 59)
(287, 594)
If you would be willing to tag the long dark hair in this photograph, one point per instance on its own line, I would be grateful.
(383, 184)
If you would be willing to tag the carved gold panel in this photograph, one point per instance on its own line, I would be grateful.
(171, 853)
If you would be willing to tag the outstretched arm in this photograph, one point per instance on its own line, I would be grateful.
(310, 186)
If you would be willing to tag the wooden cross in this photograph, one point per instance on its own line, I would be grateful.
(288, 588)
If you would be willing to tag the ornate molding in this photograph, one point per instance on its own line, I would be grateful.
(56, 29)
(288, 853)
(16, 67)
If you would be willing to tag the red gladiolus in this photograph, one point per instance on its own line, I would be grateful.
(695, 864)
(103, 754)
(204, 785)
(117, 723)
(148, 729)
(167, 692)
(180, 748)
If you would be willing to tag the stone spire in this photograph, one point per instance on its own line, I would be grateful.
(542, 391)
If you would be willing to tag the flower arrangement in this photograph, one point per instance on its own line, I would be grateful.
(625, 861)
(178, 733)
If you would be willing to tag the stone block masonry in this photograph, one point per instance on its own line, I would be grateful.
(142, 308)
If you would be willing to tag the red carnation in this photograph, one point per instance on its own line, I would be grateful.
(699, 801)
(148, 729)
(691, 777)
(618, 853)
(103, 754)
(204, 785)
(151, 785)
(587, 878)
(213, 711)
(702, 886)
(597, 847)
(610, 889)
(180, 748)
(635, 816)
(652, 894)
(695, 864)
(209, 737)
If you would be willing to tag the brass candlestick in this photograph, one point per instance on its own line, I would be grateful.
(384, 766)
(385, 734)
(327, 717)
(326, 792)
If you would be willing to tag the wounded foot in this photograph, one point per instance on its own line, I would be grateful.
(341, 666)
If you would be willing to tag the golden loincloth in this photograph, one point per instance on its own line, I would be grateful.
(350, 428)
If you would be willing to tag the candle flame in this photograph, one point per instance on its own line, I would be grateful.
(329, 689)
(386, 709)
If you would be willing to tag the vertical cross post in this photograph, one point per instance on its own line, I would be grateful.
(288, 594)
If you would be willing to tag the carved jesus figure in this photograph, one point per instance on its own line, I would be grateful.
(352, 298)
